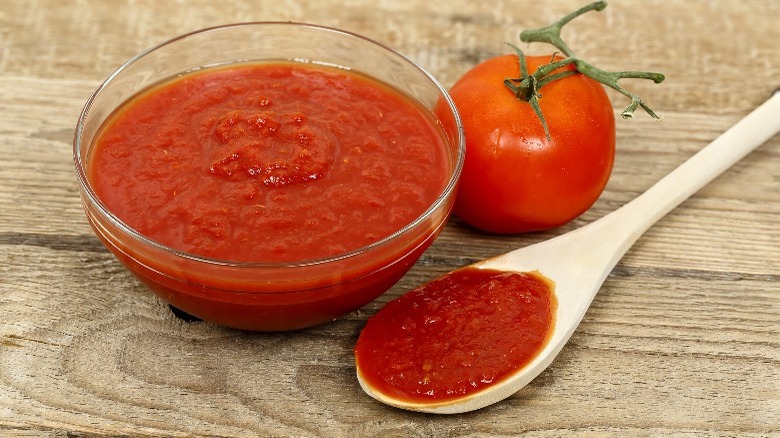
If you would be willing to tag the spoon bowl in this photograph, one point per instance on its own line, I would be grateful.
(578, 262)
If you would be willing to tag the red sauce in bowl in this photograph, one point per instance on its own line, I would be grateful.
(268, 196)
(269, 162)
(456, 335)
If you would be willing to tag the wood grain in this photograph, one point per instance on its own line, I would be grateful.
(683, 340)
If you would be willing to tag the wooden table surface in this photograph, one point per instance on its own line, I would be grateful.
(683, 339)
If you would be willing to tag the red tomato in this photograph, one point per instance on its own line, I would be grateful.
(516, 180)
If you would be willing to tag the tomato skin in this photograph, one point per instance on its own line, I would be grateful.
(514, 180)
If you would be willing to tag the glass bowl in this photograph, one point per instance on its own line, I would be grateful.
(267, 296)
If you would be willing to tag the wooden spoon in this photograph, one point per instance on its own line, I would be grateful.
(578, 262)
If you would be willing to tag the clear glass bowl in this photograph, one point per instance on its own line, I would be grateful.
(267, 296)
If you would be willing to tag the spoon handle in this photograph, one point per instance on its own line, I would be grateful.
(738, 141)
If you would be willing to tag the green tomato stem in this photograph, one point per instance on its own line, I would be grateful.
(607, 78)
(526, 87)
(552, 33)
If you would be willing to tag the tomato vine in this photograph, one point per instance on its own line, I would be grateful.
(526, 87)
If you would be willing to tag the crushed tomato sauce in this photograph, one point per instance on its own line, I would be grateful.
(269, 162)
(456, 335)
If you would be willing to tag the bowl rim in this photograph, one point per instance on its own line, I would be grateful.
(89, 192)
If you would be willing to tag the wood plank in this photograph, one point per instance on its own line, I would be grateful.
(683, 339)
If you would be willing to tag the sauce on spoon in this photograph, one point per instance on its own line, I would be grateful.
(456, 335)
